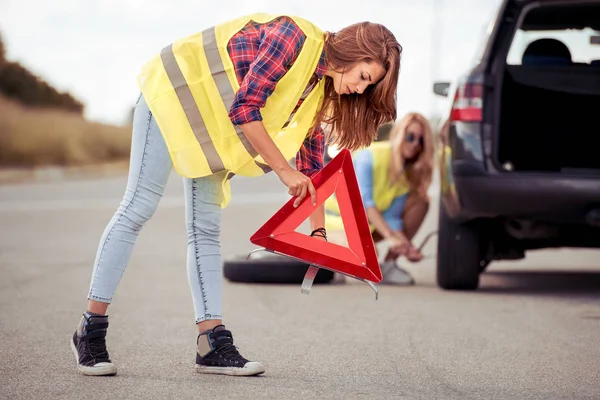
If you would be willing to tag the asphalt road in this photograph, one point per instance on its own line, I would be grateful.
(531, 332)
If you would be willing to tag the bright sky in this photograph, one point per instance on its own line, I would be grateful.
(94, 49)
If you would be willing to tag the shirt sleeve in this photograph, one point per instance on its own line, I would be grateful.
(310, 158)
(280, 44)
(363, 165)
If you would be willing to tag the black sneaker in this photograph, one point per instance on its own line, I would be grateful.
(89, 346)
(216, 354)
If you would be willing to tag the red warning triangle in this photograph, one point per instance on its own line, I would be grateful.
(359, 259)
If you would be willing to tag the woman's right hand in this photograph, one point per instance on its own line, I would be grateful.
(299, 185)
(399, 246)
(414, 255)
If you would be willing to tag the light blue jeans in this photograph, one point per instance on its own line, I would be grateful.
(150, 167)
(363, 165)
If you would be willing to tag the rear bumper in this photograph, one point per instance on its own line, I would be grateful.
(553, 199)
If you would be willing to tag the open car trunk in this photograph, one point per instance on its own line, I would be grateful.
(550, 119)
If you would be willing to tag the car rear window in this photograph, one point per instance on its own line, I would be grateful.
(557, 35)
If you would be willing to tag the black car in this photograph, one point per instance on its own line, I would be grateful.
(520, 156)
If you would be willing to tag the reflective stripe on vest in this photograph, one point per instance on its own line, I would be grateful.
(184, 94)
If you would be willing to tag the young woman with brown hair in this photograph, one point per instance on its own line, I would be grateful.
(240, 98)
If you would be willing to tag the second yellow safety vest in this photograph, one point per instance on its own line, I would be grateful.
(383, 193)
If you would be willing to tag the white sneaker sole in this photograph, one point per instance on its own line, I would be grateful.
(394, 275)
(100, 369)
(251, 368)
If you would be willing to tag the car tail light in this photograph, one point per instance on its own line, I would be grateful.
(467, 103)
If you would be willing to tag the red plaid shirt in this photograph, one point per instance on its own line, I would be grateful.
(261, 55)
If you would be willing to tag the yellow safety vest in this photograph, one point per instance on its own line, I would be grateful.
(190, 86)
(383, 193)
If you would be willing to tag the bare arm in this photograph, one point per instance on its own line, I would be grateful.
(379, 223)
(317, 218)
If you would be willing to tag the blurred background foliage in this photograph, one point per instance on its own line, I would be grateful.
(40, 125)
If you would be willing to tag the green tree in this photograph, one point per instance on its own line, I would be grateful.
(18, 83)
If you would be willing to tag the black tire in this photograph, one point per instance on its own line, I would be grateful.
(271, 269)
(460, 254)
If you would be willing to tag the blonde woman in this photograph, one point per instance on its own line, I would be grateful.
(393, 176)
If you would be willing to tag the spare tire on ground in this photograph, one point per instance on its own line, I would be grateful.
(266, 267)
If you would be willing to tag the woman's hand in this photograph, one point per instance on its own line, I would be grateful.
(299, 185)
(401, 246)
(413, 254)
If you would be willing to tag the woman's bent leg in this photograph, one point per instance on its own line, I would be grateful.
(203, 222)
(414, 214)
(149, 170)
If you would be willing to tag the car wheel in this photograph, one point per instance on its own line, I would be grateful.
(265, 267)
(460, 255)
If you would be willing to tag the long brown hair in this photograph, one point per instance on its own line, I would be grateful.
(354, 118)
(418, 172)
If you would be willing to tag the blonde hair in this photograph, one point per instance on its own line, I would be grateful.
(419, 172)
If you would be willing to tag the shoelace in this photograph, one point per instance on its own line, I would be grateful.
(231, 352)
(97, 349)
